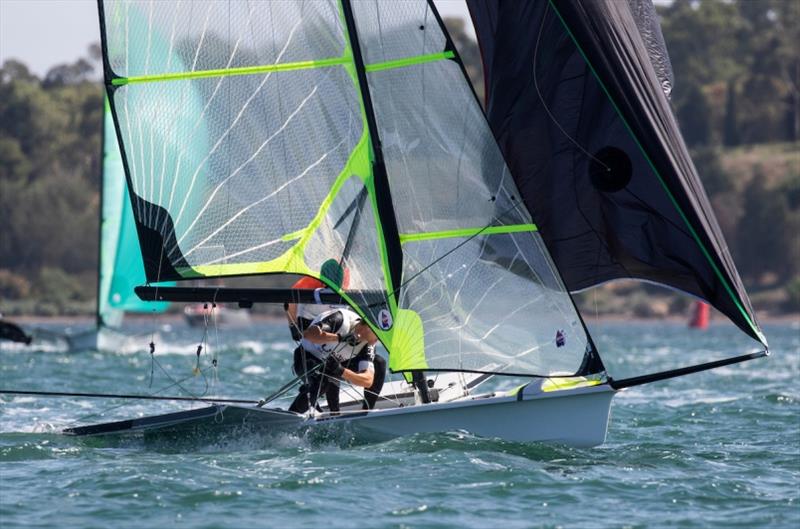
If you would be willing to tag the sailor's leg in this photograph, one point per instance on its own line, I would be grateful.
(421, 383)
(332, 395)
(309, 391)
(297, 363)
(372, 392)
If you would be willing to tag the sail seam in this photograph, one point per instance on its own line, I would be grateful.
(671, 197)
(466, 232)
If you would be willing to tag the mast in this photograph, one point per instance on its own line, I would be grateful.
(391, 235)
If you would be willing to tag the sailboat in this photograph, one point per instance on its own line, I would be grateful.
(266, 138)
(119, 264)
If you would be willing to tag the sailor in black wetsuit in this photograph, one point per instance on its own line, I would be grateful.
(345, 345)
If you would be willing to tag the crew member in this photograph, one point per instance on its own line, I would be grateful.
(300, 315)
(337, 345)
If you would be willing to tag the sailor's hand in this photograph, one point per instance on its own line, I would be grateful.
(350, 339)
(333, 367)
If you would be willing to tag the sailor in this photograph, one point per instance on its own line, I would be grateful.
(336, 346)
(300, 315)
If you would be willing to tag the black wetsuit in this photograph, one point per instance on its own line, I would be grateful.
(357, 359)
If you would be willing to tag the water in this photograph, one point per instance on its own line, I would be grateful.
(717, 449)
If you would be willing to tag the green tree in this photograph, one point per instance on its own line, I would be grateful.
(730, 133)
(694, 116)
(768, 232)
(715, 179)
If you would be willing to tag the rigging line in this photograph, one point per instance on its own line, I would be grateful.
(544, 103)
(179, 383)
(286, 387)
(118, 396)
(515, 205)
(336, 349)
(350, 385)
(147, 397)
(358, 206)
(300, 376)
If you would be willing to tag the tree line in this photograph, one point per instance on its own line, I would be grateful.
(736, 95)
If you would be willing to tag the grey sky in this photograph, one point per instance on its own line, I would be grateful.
(43, 33)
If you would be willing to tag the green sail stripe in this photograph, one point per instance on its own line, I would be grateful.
(222, 72)
(408, 61)
(671, 197)
(466, 232)
(292, 261)
(282, 67)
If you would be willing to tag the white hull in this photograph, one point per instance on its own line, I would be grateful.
(572, 417)
(575, 417)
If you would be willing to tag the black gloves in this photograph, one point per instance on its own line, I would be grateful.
(349, 339)
(333, 367)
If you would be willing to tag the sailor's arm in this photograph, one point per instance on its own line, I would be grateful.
(315, 334)
(363, 379)
(324, 331)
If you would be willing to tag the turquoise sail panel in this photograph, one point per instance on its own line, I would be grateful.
(121, 266)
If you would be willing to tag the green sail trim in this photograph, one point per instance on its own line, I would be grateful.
(224, 72)
(466, 232)
(409, 61)
(671, 197)
(281, 67)
(292, 261)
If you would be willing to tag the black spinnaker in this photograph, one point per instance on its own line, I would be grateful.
(577, 97)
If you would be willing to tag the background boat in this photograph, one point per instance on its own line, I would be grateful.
(119, 265)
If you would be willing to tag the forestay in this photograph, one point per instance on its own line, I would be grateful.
(269, 137)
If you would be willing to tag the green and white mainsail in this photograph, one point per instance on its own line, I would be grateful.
(120, 268)
(269, 137)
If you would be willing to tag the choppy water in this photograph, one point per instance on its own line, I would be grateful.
(717, 449)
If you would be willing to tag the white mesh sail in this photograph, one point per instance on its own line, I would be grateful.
(249, 145)
(474, 268)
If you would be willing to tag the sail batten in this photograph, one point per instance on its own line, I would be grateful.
(465, 232)
(280, 67)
